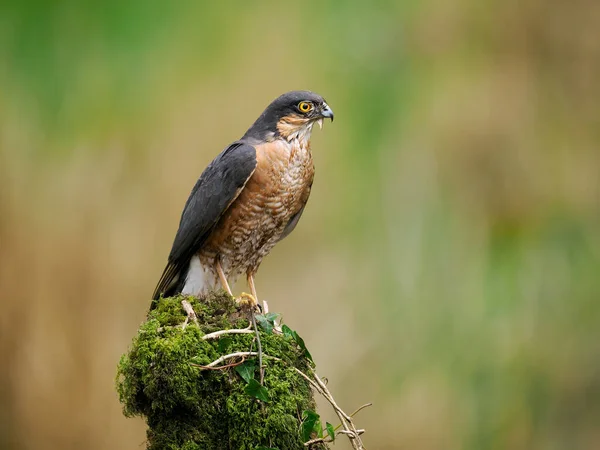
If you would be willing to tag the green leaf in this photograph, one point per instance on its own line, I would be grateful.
(254, 389)
(267, 321)
(310, 424)
(266, 448)
(330, 431)
(246, 370)
(264, 323)
(319, 429)
(224, 343)
(302, 345)
(288, 332)
(271, 317)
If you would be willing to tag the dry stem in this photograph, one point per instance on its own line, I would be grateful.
(261, 369)
(216, 362)
(190, 314)
(328, 439)
(346, 421)
(219, 333)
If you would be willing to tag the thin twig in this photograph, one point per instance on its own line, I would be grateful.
(351, 433)
(346, 420)
(366, 405)
(226, 366)
(190, 313)
(216, 362)
(324, 387)
(328, 439)
(316, 382)
(219, 333)
(307, 378)
(321, 388)
(338, 426)
(261, 369)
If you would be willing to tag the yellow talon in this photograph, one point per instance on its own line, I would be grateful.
(246, 300)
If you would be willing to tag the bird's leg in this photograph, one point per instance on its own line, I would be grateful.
(224, 282)
(252, 287)
(249, 300)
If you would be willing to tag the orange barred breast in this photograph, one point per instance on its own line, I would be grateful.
(256, 220)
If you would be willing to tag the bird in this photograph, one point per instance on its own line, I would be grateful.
(250, 197)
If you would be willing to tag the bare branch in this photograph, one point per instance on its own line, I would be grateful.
(328, 439)
(366, 405)
(187, 307)
(345, 419)
(352, 434)
(219, 333)
(216, 362)
(261, 369)
(346, 423)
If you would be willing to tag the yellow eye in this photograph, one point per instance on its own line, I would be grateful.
(305, 107)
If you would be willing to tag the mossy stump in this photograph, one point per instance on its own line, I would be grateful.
(188, 407)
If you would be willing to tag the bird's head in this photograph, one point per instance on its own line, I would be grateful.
(291, 116)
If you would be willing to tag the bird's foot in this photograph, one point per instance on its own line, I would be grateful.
(247, 301)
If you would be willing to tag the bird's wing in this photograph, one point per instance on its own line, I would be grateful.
(218, 186)
(292, 223)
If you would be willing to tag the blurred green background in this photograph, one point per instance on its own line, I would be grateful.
(446, 267)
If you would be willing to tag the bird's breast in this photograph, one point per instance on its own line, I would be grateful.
(255, 221)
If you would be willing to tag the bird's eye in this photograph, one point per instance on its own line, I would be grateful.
(305, 106)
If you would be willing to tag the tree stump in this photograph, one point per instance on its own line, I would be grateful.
(165, 378)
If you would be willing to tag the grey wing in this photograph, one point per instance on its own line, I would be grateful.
(292, 224)
(218, 186)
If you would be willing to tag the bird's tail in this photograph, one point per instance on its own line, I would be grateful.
(169, 284)
(191, 278)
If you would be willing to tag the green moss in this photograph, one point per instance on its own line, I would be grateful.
(189, 408)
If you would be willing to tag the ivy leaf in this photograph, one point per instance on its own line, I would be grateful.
(302, 345)
(288, 332)
(224, 343)
(330, 431)
(318, 429)
(264, 323)
(271, 317)
(254, 389)
(310, 424)
(246, 370)
(267, 321)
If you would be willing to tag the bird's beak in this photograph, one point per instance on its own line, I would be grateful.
(327, 112)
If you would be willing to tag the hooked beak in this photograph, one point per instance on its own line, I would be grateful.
(326, 112)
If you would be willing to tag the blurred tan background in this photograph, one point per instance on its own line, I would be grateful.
(446, 267)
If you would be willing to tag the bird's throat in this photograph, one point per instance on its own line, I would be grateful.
(295, 129)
